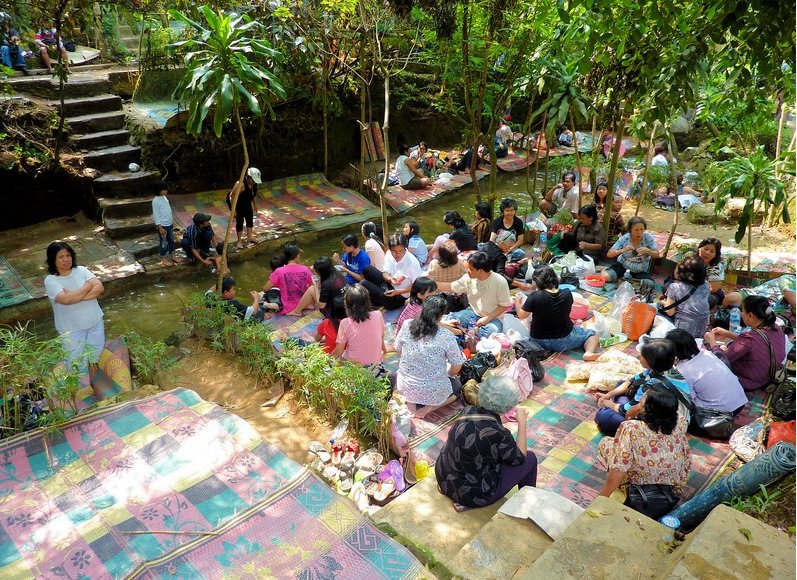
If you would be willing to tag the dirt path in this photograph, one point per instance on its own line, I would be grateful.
(219, 378)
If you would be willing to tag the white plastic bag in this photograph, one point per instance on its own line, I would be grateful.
(622, 298)
(514, 324)
(661, 326)
(584, 266)
(599, 325)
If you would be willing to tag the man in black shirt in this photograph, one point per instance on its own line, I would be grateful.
(10, 51)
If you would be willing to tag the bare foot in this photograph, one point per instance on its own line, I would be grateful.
(166, 262)
(591, 356)
(294, 313)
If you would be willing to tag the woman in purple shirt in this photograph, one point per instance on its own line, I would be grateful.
(748, 354)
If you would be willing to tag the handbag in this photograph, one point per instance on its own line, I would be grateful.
(568, 277)
(637, 319)
(475, 367)
(777, 376)
(748, 442)
(652, 499)
(711, 423)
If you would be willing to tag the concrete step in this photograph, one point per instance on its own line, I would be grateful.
(130, 42)
(111, 158)
(141, 246)
(89, 105)
(79, 85)
(126, 227)
(428, 520)
(608, 540)
(125, 30)
(718, 548)
(504, 547)
(92, 141)
(113, 207)
(125, 184)
(95, 122)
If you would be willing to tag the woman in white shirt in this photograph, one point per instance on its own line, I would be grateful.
(373, 244)
(73, 291)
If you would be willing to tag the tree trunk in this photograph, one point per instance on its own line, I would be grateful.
(619, 133)
(61, 69)
(644, 188)
(325, 107)
(537, 158)
(578, 160)
(474, 161)
(673, 151)
(363, 182)
(385, 127)
(233, 200)
(773, 212)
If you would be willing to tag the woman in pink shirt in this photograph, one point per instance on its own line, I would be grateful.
(295, 282)
(361, 335)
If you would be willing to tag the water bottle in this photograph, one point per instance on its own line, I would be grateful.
(671, 525)
(339, 430)
(543, 238)
(736, 320)
(627, 276)
(471, 340)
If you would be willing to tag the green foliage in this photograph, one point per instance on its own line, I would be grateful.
(150, 360)
(225, 67)
(752, 177)
(111, 34)
(32, 370)
(756, 504)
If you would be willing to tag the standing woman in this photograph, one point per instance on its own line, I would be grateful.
(245, 207)
(374, 246)
(73, 291)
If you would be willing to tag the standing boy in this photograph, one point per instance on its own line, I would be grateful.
(162, 216)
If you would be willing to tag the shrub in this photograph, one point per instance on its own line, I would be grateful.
(150, 360)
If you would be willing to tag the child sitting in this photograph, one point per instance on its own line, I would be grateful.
(421, 288)
(416, 245)
(258, 311)
(623, 402)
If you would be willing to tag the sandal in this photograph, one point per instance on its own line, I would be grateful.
(409, 469)
(369, 461)
(359, 496)
(319, 451)
(337, 453)
(394, 472)
(384, 490)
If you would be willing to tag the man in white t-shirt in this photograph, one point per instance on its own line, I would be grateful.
(562, 195)
(488, 296)
(391, 287)
(408, 173)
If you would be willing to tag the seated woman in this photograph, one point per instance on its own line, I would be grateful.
(749, 354)
(361, 335)
(484, 219)
(429, 360)
(415, 244)
(422, 288)
(712, 385)
(588, 235)
(374, 246)
(391, 287)
(294, 280)
(447, 267)
(551, 326)
(686, 299)
(710, 251)
(634, 252)
(408, 173)
(508, 230)
(481, 461)
(330, 287)
(460, 232)
(623, 402)
(652, 453)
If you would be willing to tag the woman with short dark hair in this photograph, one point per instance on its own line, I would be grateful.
(429, 359)
(551, 326)
(508, 230)
(710, 251)
(748, 354)
(588, 235)
(634, 252)
(73, 291)
(294, 280)
(484, 220)
(652, 454)
(686, 299)
(460, 232)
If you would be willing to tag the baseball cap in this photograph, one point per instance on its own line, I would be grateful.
(254, 173)
(201, 218)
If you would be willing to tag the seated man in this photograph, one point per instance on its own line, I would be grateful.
(197, 241)
(488, 296)
(562, 195)
(10, 51)
(408, 173)
(500, 147)
(504, 132)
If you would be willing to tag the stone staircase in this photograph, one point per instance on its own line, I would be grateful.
(96, 123)
(608, 541)
(129, 39)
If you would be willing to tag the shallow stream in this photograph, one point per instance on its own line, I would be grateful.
(154, 309)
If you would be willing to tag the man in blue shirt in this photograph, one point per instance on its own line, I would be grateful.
(354, 259)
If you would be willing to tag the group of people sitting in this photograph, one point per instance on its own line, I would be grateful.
(459, 286)
(13, 51)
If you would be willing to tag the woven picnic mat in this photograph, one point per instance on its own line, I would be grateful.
(175, 486)
(403, 200)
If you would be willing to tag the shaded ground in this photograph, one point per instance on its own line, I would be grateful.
(219, 378)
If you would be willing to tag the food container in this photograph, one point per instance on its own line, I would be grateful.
(580, 307)
(594, 280)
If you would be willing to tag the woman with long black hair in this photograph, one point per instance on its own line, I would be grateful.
(426, 350)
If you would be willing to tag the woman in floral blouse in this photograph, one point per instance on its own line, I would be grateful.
(653, 452)
(481, 461)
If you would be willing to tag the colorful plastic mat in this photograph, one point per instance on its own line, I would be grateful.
(174, 486)
(12, 288)
(403, 200)
(294, 204)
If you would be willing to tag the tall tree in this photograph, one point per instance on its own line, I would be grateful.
(227, 67)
